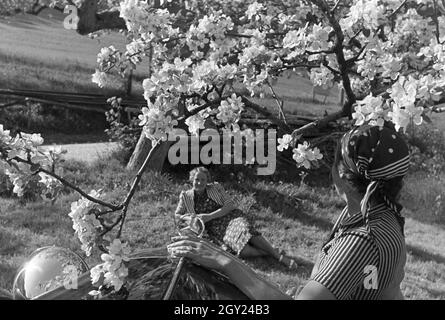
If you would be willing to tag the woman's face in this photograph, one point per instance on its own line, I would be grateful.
(200, 181)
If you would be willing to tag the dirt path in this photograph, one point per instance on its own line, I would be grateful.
(88, 152)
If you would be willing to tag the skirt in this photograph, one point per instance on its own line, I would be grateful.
(232, 231)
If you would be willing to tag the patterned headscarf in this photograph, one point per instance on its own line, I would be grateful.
(377, 154)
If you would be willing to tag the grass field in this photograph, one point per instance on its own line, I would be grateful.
(294, 217)
(36, 52)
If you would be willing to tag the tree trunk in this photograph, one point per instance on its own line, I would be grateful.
(141, 151)
(144, 145)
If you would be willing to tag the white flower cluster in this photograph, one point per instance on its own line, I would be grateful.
(253, 9)
(25, 146)
(85, 223)
(302, 40)
(370, 110)
(369, 14)
(322, 76)
(19, 181)
(209, 73)
(52, 186)
(407, 95)
(107, 57)
(113, 269)
(141, 18)
(435, 53)
(157, 124)
(305, 156)
(196, 122)
(256, 57)
(403, 94)
(302, 154)
(171, 79)
(229, 111)
(413, 26)
(378, 61)
(101, 78)
(211, 29)
(284, 142)
(135, 50)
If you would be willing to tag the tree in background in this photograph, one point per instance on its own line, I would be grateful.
(209, 58)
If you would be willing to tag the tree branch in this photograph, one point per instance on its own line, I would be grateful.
(319, 52)
(133, 187)
(335, 6)
(249, 104)
(69, 184)
(436, 22)
(398, 9)
(90, 20)
(338, 49)
(319, 123)
(280, 102)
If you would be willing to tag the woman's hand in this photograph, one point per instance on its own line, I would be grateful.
(200, 251)
(204, 217)
(210, 256)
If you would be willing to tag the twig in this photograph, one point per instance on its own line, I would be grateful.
(111, 227)
(301, 65)
(69, 184)
(436, 22)
(317, 123)
(280, 103)
(398, 9)
(85, 195)
(356, 57)
(133, 187)
(335, 6)
(319, 52)
(265, 112)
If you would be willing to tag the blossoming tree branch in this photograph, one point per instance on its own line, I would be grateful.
(208, 59)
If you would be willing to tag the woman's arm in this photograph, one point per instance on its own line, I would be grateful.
(242, 276)
(251, 284)
(208, 255)
(218, 193)
(221, 212)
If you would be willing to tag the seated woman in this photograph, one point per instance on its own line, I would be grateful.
(225, 224)
(365, 254)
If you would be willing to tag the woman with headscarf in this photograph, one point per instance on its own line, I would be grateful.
(365, 254)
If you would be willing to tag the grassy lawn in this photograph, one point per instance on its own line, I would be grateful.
(34, 47)
(37, 53)
(295, 217)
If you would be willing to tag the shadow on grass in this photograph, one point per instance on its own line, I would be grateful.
(423, 255)
(289, 207)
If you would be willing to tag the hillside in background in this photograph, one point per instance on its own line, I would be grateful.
(36, 52)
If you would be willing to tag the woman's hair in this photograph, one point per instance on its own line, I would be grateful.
(391, 188)
(197, 170)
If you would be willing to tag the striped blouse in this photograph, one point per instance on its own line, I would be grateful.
(214, 191)
(363, 263)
